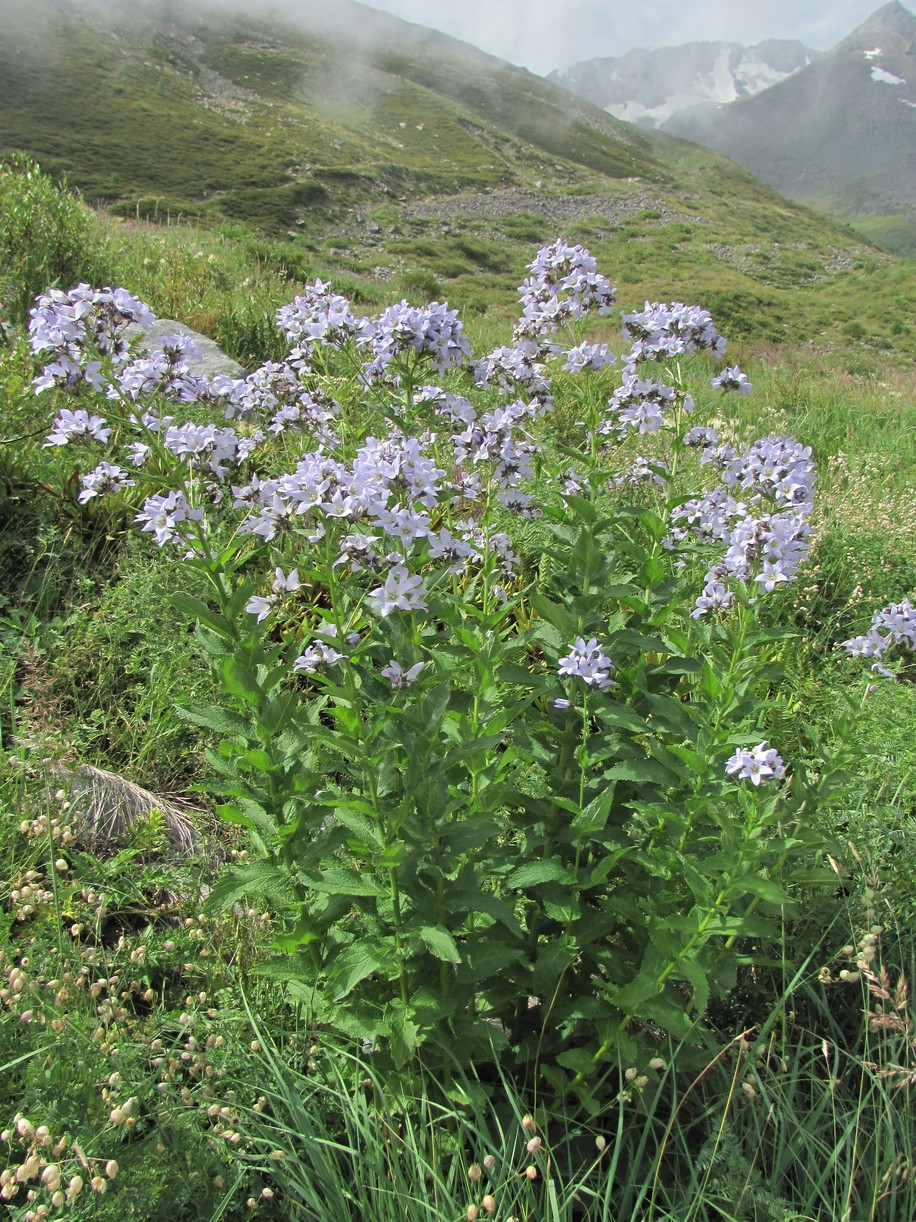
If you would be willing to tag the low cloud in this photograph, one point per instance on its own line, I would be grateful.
(546, 34)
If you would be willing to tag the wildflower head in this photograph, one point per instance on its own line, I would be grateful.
(756, 764)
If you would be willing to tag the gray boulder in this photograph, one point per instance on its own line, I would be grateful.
(212, 360)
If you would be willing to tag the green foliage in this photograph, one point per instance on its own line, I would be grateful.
(344, 790)
(119, 1040)
(46, 236)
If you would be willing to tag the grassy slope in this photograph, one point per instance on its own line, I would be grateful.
(274, 125)
(325, 147)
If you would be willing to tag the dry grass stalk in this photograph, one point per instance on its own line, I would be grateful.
(106, 806)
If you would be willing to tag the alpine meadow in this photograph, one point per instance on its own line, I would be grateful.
(457, 645)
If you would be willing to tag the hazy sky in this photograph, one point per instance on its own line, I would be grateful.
(546, 34)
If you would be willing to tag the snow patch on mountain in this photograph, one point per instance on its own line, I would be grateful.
(872, 54)
(649, 87)
(886, 78)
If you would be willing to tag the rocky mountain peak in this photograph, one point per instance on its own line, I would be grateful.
(892, 21)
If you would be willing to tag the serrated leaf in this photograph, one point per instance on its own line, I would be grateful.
(486, 959)
(197, 610)
(467, 835)
(337, 881)
(579, 1060)
(539, 872)
(240, 681)
(640, 771)
(487, 903)
(213, 717)
(765, 888)
(231, 814)
(634, 995)
(353, 965)
(554, 614)
(440, 942)
(696, 977)
(259, 879)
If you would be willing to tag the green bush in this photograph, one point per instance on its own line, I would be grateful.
(46, 236)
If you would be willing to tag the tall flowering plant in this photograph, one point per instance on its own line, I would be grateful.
(516, 803)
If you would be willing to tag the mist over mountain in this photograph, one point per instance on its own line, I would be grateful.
(840, 134)
(649, 87)
(269, 117)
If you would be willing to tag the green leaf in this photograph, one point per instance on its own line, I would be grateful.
(633, 996)
(579, 1060)
(337, 881)
(813, 878)
(466, 835)
(640, 771)
(355, 964)
(699, 982)
(391, 856)
(231, 814)
(473, 900)
(765, 888)
(486, 959)
(605, 866)
(440, 942)
(260, 879)
(555, 614)
(582, 508)
(241, 681)
(364, 828)
(197, 610)
(539, 872)
(212, 717)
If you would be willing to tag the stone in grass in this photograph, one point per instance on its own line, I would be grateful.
(105, 807)
(212, 360)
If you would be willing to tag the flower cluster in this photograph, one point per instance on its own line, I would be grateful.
(668, 330)
(732, 378)
(893, 626)
(398, 677)
(433, 331)
(275, 392)
(319, 318)
(169, 518)
(587, 661)
(64, 327)
(77, 425)
(165, 370)
(756, 764)
(321, 653)
(106, 480)
(282, 585)
(759, 512)
(641, 404)
(564, 286)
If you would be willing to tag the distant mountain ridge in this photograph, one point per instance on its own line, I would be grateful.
(839, 134)
(650, 87)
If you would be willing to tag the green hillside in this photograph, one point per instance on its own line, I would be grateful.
(408, 156)
(227, 118)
